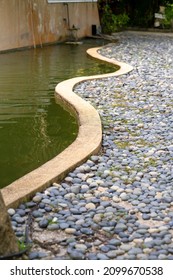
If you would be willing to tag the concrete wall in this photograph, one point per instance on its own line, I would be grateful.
(34, 22)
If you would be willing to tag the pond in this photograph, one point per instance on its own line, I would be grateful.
(33, 128)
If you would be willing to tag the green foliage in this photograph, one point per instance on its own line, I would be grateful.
(169, 15)
(121, 20)
(21, 245)
(111, 22)
(116, 14)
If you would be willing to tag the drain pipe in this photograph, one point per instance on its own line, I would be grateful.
(68, 17)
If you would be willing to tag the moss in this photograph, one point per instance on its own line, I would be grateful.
(122, 144)
(143, 142)
(151, 162)
(120, 104)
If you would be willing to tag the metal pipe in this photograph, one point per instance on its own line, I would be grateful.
(68, 17)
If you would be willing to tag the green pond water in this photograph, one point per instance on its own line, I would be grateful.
(33, 127)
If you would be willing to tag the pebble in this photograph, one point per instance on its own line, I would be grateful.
(70, 230)
(11, 211)
(90, 206)
(112, 254)
(81, 247)
(37, 198)
(53, 226)
(76, 255)
(117, 205)
(43, 223)
(37, 214)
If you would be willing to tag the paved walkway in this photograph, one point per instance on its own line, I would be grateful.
(119, 204)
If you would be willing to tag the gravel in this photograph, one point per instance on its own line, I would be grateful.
(118, 204)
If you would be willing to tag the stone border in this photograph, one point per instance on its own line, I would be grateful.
(87, 143)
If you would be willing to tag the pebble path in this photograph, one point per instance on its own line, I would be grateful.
(119, 204)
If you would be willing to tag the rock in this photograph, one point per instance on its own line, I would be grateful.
(46, 201)
(101, 256)
(87, 231)
(37, 214)
(11, 211)
(124, 196)
(37, 198)
(75, 189)
(115, 242)
(135, 251)
(43, 223)
(120, 227)
(42, 255)
(81, 247)
(33, 255)
(70, 230)
(53, 226)
(21, 212)
(90, 206)
(63, 225)
(112, 254)
(20, 220)
(145, 217)
(76, 255)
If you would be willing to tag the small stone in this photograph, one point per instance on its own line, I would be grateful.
(116, 198)
(64, 225)
(20, 220)
(37, 198)
(97, 218)
(70, 230)
(104, 248)
(115, 242)
(124, 196)
(94, 158)
(112, 254)
(21, 212)
(90, 206)
(11, 211)
(76, 255)
(81, 247)
(19, 233)
(162, 257)
(120, 227)
(135, 251)
(108, 229)
(162, 228)
(69, 196)
(142, 257)
(37, 214)
(92, 256)
(33, 255)
(46, 201)
(75, 189)
(145, 217)
(101, 256)
(125, 247)
(42, 255)
(87, 231)
(53, 227)
(30, 204)
(119, 252)
(153, 230)
(43, 223)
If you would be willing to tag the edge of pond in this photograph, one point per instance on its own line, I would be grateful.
(87, 143)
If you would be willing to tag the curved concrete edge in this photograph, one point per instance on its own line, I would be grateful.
(87, 143)
(124, 67)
